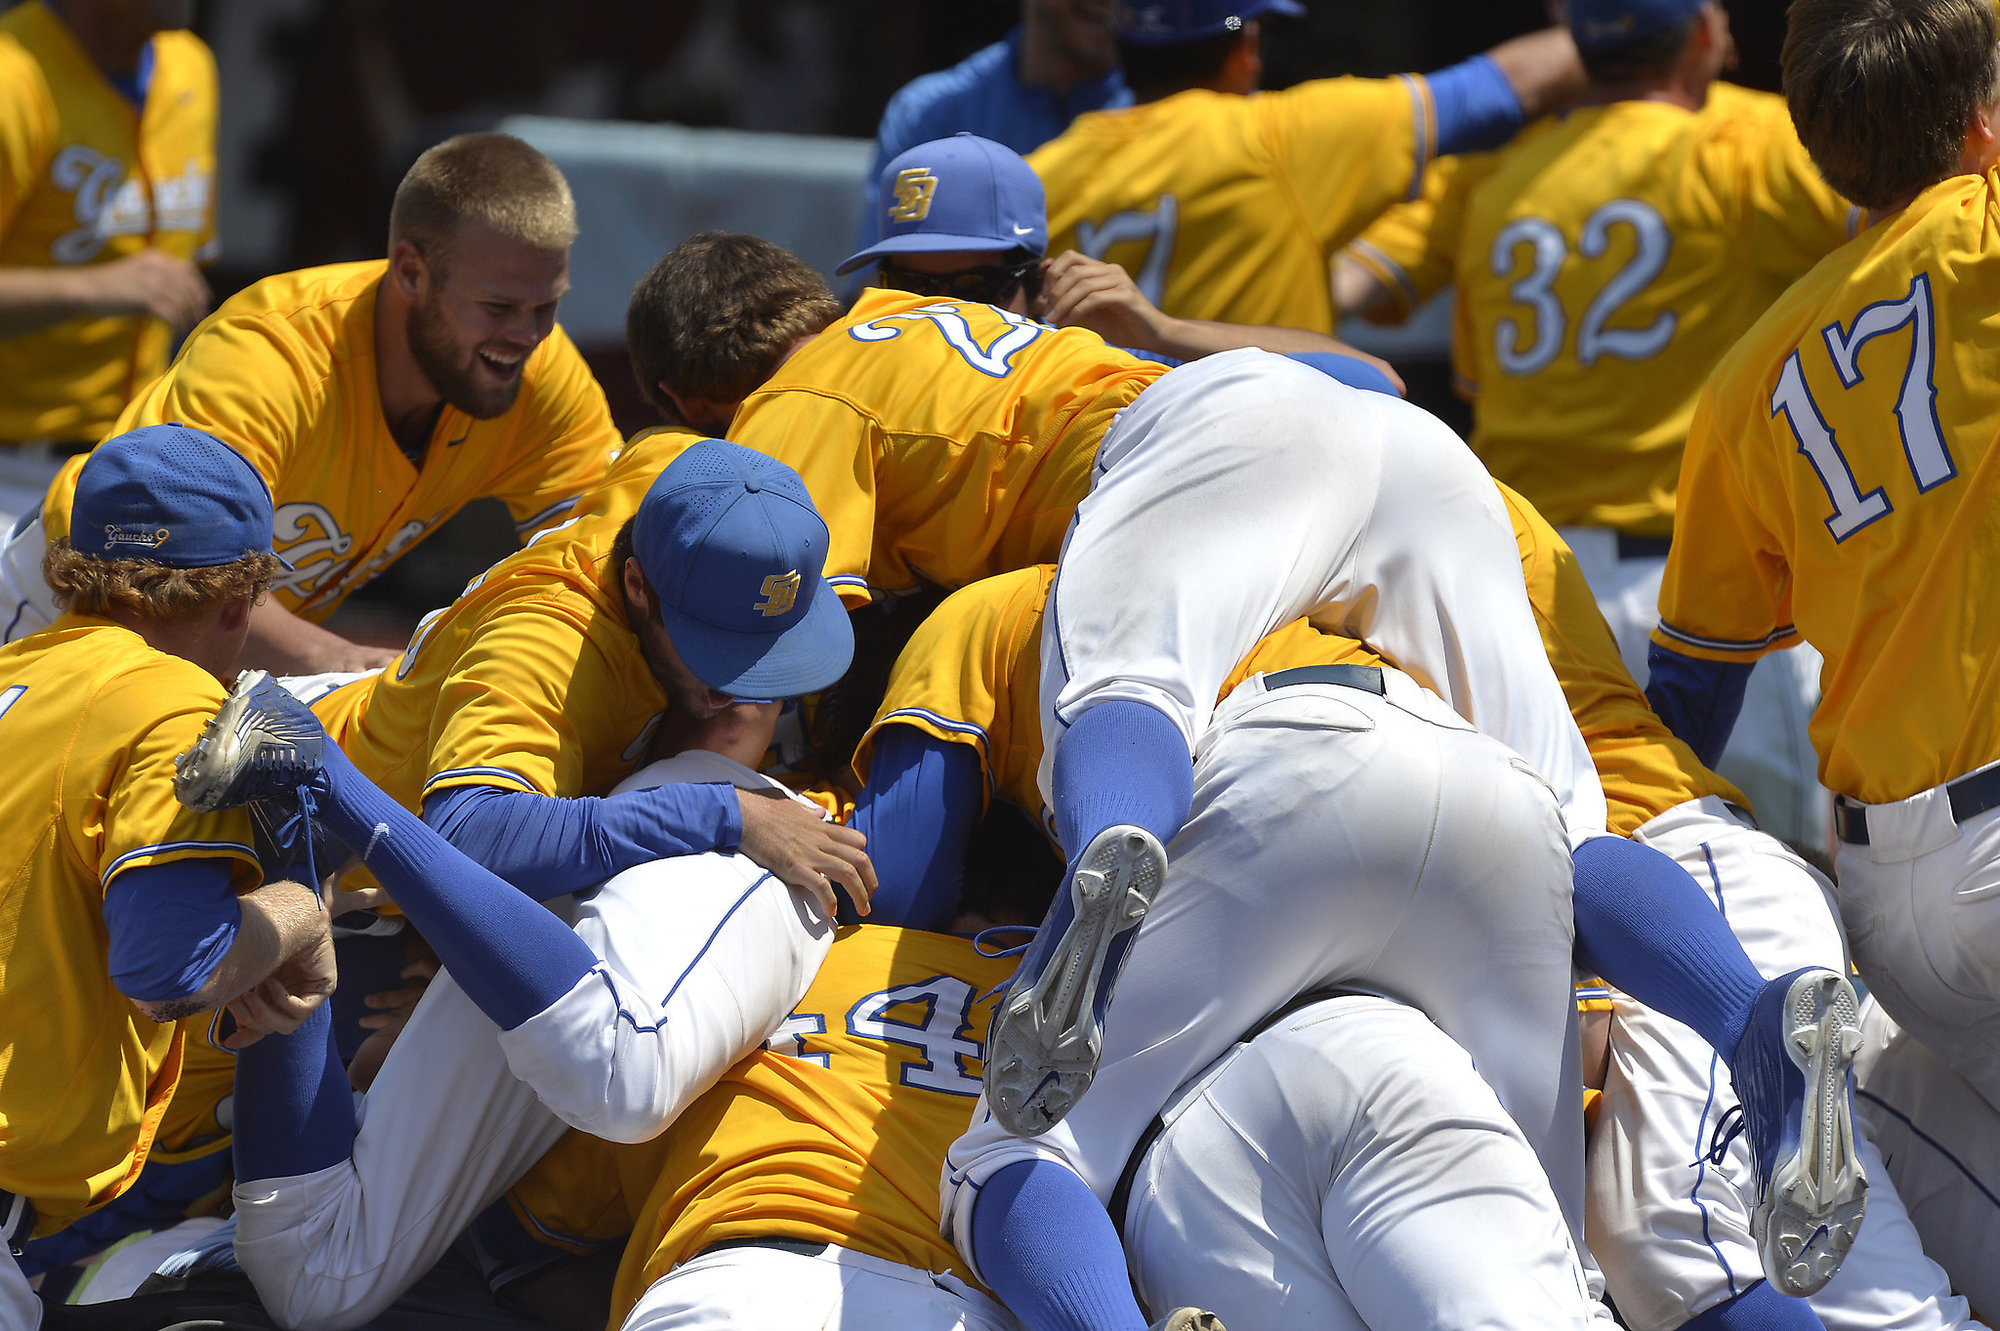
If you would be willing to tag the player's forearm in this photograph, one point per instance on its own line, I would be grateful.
(279, 920)
(1358, 291)
(1191, 339)
(284, 644)
(35, 298)
(1543, 68)
(1699, 700)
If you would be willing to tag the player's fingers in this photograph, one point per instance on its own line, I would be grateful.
(394, 998)
(366, 898)
(854, 872)
(841, 835)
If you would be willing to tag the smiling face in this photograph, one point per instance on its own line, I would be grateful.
(478, 311)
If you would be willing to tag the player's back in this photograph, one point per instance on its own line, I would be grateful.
(836, 1131)
(943, 441)
(1842, 485)
(1230, 208)
(1605, 260)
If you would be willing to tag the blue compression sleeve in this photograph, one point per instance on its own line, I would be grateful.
(1044, 1244)
(546, 846)
(1477, 108)
(294, 1109)
(1645, 926)
(510, 955)
(170, 926)
(1699, 700)
(1347, 370)
(1758, 1308)
(917, 811)
(1121, 762)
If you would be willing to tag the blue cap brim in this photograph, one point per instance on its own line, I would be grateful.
(805, 658)
(926, 242)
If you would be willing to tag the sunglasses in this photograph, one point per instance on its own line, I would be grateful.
(990, 283)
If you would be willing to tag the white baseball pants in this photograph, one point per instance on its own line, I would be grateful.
(1347, 1170)
(26, 603)
(1339, 838)
(765, 1289)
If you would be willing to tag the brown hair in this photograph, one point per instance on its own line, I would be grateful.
(712, 318)
(92, 586)
(1882, 90)
(492, 178)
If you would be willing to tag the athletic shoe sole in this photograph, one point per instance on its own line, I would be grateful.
(1188, 1319)
(1047, 1038)
(241, 739)
(1811, 1212)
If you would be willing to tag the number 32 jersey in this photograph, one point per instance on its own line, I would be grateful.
(1604, 260)
(1840, 486)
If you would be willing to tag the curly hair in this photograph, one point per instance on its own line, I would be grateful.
(92, 586)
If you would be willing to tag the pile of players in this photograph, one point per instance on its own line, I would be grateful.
(650, 870)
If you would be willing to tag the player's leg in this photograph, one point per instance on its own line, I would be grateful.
(1940, 1139)
(26, 603)
(770, 1289)
(1348, 1168)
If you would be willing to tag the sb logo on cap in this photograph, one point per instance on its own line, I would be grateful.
(914, 188)
(781, 592)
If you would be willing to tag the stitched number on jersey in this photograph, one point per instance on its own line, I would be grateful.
(11, 695)
(992, 359)
(1547, 251)
(790, 1037)
(941, 1031)
(1916, 408)
(1157, 228)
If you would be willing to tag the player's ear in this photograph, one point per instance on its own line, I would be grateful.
(633, 578)
(408, 269)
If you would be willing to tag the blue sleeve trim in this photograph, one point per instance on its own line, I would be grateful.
(1422, 135)
(499, 772)
(170, 927)
(1699, 700)
(534, 520)
(118, 865)
(1776, 635)
(943, 722)
(1381, 261)
(1347, 370)
(1477, 108)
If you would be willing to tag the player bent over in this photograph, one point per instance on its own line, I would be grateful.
(127, 912)
(1836, 490)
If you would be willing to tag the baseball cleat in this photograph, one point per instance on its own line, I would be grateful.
(1049, 1032)
(1791, 1071)
(264, 743)
(1188, 1319)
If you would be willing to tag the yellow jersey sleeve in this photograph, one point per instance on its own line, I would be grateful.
(1350, 147)
(1412, 248)
(971, 675)
(1789, 218)
(1840, 480)
(26, 127)
(836, 1130)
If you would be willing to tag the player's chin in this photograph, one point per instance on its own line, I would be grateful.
(489, 386)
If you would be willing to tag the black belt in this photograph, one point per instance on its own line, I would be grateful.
(1969, 795)
(1121, 1195)
(800, 1247)
(1366, 678)
(17, 1220)
(1643, 547)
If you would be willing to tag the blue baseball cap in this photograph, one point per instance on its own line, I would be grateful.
(1606, 24)
(169, 494)
(1168, 22)
(736, 554)
(960, 193)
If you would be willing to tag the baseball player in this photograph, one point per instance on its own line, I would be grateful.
(1172, 549)
(1228, 206)
(1604, 260)
(1834, 493)
(127, 913)
(376, 399)
(107, 201)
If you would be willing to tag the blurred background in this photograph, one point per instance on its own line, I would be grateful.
(325, 103)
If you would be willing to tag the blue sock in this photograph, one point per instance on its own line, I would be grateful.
(509, 954)
(1648, 929)
(1758, 1308)
(1043, 1243)
(1122, 762)
(294, 1108)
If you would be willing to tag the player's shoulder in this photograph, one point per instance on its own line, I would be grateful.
(946, 100)
(180, 54)
(107, 671)
(976, 610)
(311, 318)
(24, 84)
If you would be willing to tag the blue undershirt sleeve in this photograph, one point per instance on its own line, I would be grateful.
(917, 811)
(546, 846)
(1699, 700)
(1477, 108)
(170, 925)
(1121, 762)
(1347, 370)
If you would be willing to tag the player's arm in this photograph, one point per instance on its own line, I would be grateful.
(1542, 70)
(918, 807)
(1082, 292)
(284, 644)
(151, 282)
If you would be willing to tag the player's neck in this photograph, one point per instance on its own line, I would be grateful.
(112, 44)
(1671, 92)
(1044, 64)
(410, 402)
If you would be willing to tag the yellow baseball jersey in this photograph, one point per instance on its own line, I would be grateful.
(95, 719)
(1604, 260)
(943, 441)
(1840, 482)
(284, 373)
(1645, 771)
(86, 177)
(531, 680)
(1232, 208)
(971, 674)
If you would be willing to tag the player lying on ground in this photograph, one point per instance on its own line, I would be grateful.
(127, 913)
(376, 399)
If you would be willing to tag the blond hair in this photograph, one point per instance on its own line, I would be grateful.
(491, 178)
(92, 586)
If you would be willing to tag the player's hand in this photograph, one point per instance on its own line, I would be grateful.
(393, 1010)
(155, 283)
(280, 1004)
(806, 852)
(349, 658)
(1081, 292)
